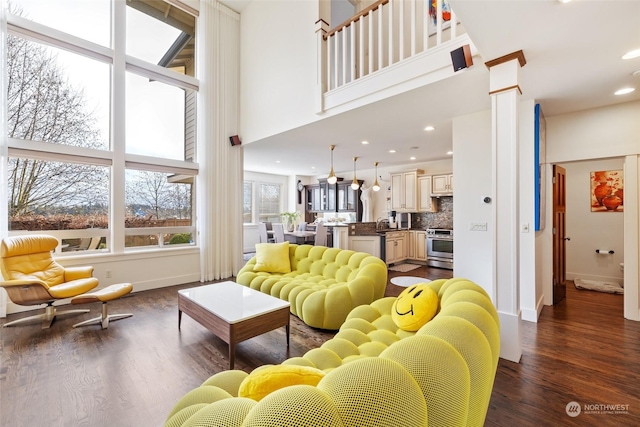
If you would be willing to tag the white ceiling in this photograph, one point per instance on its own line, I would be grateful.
(573, 53)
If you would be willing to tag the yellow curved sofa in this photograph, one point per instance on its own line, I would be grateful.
(324, 284)
(372, 373)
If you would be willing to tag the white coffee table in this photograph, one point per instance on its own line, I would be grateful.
(406, 281)
(233, 312)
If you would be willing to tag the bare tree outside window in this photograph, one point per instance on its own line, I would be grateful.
(150, 195)
(61, 96)
(44, 106)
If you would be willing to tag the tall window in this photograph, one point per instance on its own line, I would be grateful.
(262, 202)
(247, 203)
(269, 203)
(88, 133)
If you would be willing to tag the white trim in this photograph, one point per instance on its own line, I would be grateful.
(161, 74)
(58, 152)
(40, 33)
(157, 164)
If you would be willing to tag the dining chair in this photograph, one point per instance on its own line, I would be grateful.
(321, 235)
(262, 232)
(302, 226)
(278, 232)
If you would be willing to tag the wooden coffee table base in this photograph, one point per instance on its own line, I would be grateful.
(235, 332)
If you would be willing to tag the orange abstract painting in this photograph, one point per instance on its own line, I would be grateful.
(607, 191)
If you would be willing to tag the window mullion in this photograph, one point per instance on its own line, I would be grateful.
(118, 125)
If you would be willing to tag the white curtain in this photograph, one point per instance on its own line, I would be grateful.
(220, 178)
(3, 136)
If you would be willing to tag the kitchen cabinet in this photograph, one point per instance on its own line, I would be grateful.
(404, 191)
(368, 244)
(426, 203)
(417, 247)
(314, 198)
(442, 185)
(341, 237)
(339, 197)
(395, 247)
(349, 199)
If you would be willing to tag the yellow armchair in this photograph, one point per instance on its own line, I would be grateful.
(33, 277)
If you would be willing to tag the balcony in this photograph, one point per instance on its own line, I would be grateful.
(388, 48)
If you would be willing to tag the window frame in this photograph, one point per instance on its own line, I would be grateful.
(256, 179)
(115, 156)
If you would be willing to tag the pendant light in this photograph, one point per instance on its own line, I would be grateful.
(332, 178)
(354, 184)
(376, 186)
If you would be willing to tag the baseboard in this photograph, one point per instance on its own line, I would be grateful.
(532, 315)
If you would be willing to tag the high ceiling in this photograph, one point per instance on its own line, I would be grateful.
(573, 54)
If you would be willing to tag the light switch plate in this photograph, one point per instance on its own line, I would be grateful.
(477, 226)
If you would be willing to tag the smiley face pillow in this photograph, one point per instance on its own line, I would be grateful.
(414, 307)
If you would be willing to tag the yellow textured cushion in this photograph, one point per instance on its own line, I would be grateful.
(272, 258)
(414, 307)
(265, 380)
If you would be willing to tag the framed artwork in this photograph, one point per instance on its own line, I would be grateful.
(607, 191)
(539, 159)
(446, 15)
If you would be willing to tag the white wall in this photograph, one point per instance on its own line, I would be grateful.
(591, 230)
(602, 133)
(278, 46)
(531, 300)
(605, 132)
(473, 256)
(592, 134)
(341, 10)
(145, 270)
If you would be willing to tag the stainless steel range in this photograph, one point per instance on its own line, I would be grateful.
(440, 248)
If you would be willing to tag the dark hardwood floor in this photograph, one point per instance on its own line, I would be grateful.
(134, 372)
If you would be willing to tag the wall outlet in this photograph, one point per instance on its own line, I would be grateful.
(107, 274)
(477, 226)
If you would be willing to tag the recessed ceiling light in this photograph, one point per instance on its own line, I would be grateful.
(277, 161)
(313, 167)
(564, 1)
(412, 158)
(429, 128)
(624, 91)
(449, 152)
(632, 54)
(392, 151)
(365, 142)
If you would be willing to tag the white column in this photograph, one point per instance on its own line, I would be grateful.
(505, 98)
(322, 75)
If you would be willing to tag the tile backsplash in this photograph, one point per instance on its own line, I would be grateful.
(443, 218)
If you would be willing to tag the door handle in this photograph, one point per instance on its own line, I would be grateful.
(567, 238)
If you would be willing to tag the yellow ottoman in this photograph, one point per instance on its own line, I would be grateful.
(103, 295)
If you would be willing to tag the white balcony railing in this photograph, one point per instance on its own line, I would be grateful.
(385, 33)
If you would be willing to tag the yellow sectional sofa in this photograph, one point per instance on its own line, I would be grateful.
(323, 285)
(372, 373)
